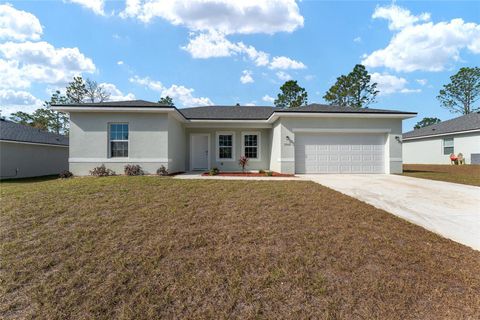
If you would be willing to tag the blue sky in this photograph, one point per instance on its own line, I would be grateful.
(224, 52)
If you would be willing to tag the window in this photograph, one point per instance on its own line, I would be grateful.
(118, 140)
(251, 145)
(225, 146)
(448, 146)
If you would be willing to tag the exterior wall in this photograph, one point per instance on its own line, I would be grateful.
(31, 160)
(275, 143)
(393, 149)
(176, 145)
(232, 165)
(148, 141)
(430, 150)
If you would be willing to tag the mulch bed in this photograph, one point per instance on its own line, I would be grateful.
(249, 174)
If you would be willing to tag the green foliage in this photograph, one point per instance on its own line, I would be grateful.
(291, 96)
(463, 91)
(261, 171)
(76, 90)
(167, 101)
(214, 171)
(353, 90)
(101, 171)
(65, 174)
(269, 173)
(162, 171)
(426, 122)
(133, 170)
(21, 117)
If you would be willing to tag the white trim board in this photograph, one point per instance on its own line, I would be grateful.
(119, 160)
(327, 130)
(35, 143)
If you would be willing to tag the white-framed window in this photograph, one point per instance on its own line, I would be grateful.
(118, 140)
(225, 146)
(448, 146)
(251, 145)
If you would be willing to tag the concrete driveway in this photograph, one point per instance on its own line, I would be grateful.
(449, 209)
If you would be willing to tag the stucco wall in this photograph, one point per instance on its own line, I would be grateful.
(430, 150)
(393, 149)
(31, 160)
(148, 141)
(263, 163)
(176, 145)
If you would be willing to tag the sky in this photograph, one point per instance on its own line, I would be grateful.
(204, 52)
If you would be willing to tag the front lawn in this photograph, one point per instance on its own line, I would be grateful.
(151, 247)
(464, 174)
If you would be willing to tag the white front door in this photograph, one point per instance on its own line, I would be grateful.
(200, 151)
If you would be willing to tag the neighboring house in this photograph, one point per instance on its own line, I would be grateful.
(310, 139)
(30, 152)
(435, 143)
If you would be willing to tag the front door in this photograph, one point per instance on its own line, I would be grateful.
(199, 151)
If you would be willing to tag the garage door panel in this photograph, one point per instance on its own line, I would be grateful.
(339, 153)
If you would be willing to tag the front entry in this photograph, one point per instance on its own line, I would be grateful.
(199, 151)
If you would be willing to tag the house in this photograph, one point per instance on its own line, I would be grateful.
(309, 139)
(30, 152)
(435, 143)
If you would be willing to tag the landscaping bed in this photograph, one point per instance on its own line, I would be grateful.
(248, 174)
(463, 174)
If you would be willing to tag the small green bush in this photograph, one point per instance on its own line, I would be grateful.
(261, 171)
(65, 174)
(269, 173)
(133, 170)
(102, 172)
(162, 171)
(214, 171)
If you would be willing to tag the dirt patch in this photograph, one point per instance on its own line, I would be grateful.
(464, 174)
(151, 247)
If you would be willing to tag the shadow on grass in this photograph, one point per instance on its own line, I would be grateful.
(30, 180)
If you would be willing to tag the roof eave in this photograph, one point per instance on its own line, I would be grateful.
(441, 134)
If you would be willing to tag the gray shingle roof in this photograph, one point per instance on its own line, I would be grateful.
(323, 108)
(467, 122)
(116, 104)
(227, 112)
(18, 132)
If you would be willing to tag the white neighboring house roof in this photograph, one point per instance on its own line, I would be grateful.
(464, 124)
(19, 133)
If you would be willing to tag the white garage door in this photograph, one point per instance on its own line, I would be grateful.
(339, 153)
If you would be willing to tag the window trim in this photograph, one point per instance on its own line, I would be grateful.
(217, 146)
(452, 146)
(259, 144)
(109, 141)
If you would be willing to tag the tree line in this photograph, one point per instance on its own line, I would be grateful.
(357, 90)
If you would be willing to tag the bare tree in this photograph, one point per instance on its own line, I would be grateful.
(95, 92)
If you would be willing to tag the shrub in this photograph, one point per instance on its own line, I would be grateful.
(261, 171)
(133, 170)
(65, 174)
(243, 162)
(269, 173)
(162, 171)
(214, 171)
(102, 171)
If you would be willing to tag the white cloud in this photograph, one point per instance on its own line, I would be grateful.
(250, 104)
(398, 17)
(97, 6)
(422, 82)
(357, 39)
(228, 17)
(29, 62)
(12, 101)
(389, 84)
(179, 93)
(286, 63)
(246, 77)
(115, 93)
(420, 45)
(283, 76)
(268, 99)
(120, 62)
(18, 25)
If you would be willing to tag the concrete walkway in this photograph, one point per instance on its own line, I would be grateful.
(449, 209)
(198, 175)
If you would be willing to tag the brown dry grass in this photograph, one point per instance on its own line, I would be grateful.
(150, 247)
(464, 174)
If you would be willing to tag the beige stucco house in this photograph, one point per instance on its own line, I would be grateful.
(310, 139)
